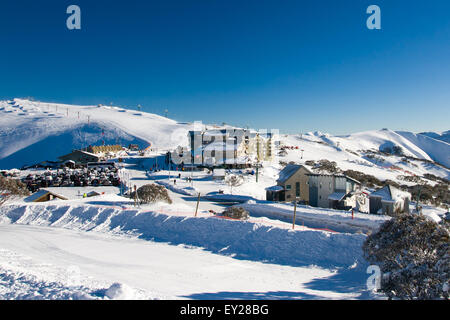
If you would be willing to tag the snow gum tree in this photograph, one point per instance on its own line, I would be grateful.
(11, 188)
(413, 254)
(151, 193)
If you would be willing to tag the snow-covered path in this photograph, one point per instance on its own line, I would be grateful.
(162, 270)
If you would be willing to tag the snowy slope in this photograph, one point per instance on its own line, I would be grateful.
(31, 132)
(350, 152)
(171, 256)
(444, 136)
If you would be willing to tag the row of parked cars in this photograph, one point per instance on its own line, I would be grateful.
(94, 176)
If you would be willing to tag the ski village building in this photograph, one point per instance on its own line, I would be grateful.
(297, 183)
(44, 196)
(332, 191)
(389, 200)
(292, 184)
(93, 154)
(233, 148)
(81, 157)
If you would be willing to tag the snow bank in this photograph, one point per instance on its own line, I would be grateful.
(341, 221)
(22, 286)
(243, 240)
(120, 291)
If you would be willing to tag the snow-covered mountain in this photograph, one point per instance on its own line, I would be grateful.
(418, 154)
(31, 132)
(444, 136)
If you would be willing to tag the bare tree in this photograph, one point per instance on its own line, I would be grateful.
(11, 188)
(234, 180)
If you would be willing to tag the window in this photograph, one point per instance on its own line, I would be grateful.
(288, 187)
(297, 189)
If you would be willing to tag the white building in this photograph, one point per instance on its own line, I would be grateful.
(389, 200)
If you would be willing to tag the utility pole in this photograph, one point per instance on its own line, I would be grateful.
(198, 201)
(257, 157)
(295, 211)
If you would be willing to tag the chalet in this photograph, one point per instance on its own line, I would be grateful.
(80, 157)
(292, 184)
(332, 191)
(44, 196)
(103, 149)
(389, 200)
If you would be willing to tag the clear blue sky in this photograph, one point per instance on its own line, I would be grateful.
(293, 65)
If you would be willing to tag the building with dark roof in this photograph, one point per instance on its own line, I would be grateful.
(292, 184)
(331, 190)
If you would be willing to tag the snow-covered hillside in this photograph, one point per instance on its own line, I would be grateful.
(31, 132)
(361, 152)
(444, 136)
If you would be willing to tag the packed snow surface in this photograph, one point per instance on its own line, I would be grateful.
(123, 254)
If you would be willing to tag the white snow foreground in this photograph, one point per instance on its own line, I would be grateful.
(21, 278)
(245, 240)
(194, 258)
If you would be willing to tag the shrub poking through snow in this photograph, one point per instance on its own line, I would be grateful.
(413, 254)
(151, 193)
(11, 188)
(236, 213)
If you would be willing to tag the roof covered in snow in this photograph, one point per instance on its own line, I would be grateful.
(391, 193)
(39, 194)
(275, 188)
(338, 196)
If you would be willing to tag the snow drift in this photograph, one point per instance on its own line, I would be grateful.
(243, 240)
